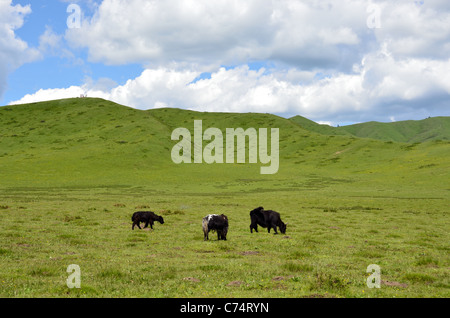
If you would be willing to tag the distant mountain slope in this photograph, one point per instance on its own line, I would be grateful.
(436, 128)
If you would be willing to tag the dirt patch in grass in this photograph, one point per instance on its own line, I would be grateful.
(23, 245)
(278, 278)
(143, 206)
(393, 283)
(246, 253)
(318, 296)
(235, 283)
(204, 251)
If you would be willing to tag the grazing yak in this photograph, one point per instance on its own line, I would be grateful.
(145, 216)
(215, 222)
(266, 218)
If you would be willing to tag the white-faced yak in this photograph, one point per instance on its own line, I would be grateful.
(215, 222)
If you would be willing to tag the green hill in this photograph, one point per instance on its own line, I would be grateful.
(436, 128)
(77, 139)
(92, 141)
(96, 141)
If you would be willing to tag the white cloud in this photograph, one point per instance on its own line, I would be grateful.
(13, 51)
(405, 79)
(327, 64)
(60, 93)
(303, 34)
(222, 32)
(155, 87)
(50, 42)
(382, 88)
(324, 123)
(414, 29)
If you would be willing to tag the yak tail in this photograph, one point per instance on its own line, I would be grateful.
(205, 225)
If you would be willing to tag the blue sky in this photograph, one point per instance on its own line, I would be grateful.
(55, 69)
(334, 62)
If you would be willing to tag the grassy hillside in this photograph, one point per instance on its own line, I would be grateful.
(436, 128)
(80, 141)
(73, 172)
(97, 142)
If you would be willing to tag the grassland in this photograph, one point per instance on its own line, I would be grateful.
(73, 171)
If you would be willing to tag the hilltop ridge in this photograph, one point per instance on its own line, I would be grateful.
(433, 128)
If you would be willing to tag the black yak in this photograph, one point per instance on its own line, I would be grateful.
(145, 216)
(266, 218)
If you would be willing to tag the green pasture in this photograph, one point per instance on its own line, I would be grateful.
(72, 172)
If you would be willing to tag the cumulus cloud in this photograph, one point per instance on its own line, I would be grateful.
(221, 33)
(327, 62)
(60, 93)
(13, 51)
(415, 28)
(304, 34)
(381, 87)
(161, 31)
